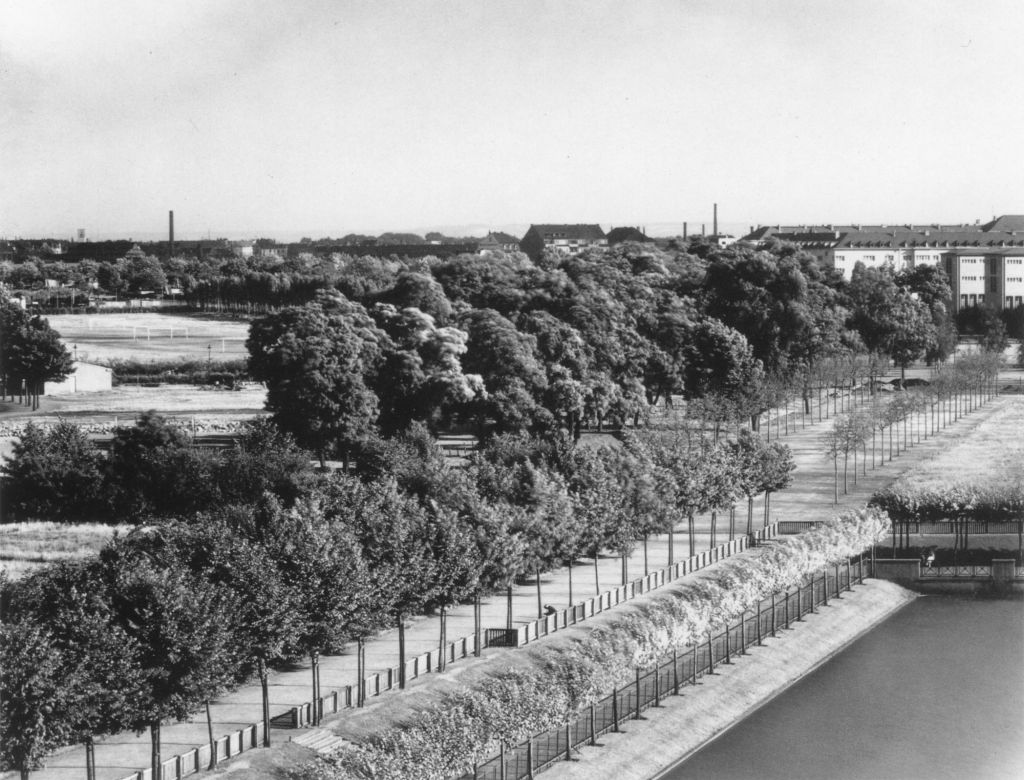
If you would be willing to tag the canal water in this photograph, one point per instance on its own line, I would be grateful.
(936, 691)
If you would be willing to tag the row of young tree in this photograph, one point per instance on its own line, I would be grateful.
(174, 613)
(952, 391)
(31, 353)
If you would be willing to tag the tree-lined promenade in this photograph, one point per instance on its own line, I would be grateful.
(249, 559)
(555, 583)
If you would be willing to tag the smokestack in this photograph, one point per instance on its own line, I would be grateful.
(703, 230)
(170, 232)
(684, 229)
(715, 231)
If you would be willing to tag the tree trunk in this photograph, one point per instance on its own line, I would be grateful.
(154, 745)
(646, 571)
(441, 641)
(570, 584)
(508, 595)
(314, 711)
(209, 733)
(732, 522)
(261, 666)
(360, 672)
(401, 651)
(690, 533)
(750, 515)
(625, 569)
(90, 758)
(540, 606)
(477, 649)
(597, 577)
(767, 506)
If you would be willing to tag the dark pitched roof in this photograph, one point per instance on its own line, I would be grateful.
(575, 232)
(502, 238)
(621, 234)
(1007, 222)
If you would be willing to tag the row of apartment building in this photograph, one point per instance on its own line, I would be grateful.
(984, 262)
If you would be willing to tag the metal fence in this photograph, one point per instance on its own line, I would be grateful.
(672, 673)
(973, 527)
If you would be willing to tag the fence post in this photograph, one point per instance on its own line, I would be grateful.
(773, 615)
(837, 582)
(787, 608)
(568, 744)
(637, 717)
(849, 574)
(759, 642)
(501, 756)
(799, 604)
(529, 758)
(728, 655)
(593, 725)
(860, 568)
(693, 664)
(675, 670)
(711, 655)
(657, 685)
(615, 710)
(743, 632)
(824, 590)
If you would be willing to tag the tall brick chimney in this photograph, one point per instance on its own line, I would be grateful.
(170, 232)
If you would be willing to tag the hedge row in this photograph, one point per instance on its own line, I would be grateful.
(446, 740)
(957, 502)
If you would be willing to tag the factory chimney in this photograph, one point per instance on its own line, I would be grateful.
(170, 232)
(714, 231)
(684, 230)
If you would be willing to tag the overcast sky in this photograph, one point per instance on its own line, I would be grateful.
(324, 117)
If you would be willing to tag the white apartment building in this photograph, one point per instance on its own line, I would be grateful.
(985, 263)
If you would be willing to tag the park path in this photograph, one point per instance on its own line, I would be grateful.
(809, 498)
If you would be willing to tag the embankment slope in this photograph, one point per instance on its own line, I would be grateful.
(684, 723)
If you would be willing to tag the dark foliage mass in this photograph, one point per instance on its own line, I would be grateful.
(249, 557)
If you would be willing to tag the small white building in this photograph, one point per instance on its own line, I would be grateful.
(84, 378)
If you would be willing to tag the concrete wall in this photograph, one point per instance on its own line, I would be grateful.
(86, 377)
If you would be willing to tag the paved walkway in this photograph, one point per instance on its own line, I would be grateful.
(809, 499)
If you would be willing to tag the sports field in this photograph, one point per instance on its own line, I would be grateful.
(101, 338)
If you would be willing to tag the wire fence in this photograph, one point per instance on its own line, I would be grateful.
(672, 673)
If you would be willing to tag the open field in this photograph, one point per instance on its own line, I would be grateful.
(26, 546)
(151, 336)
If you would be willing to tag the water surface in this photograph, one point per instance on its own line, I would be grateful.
(937, 691)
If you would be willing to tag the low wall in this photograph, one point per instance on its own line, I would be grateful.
(1003, 577)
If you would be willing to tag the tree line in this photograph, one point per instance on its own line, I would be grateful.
(503, 344)
(191, 603)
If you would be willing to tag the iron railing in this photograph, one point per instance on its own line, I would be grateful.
(967, 572)
(670, 674)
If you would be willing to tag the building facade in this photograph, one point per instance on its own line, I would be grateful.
(984, 263)
(566, 239)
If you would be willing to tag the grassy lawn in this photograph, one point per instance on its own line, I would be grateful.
(151, 336)
(27, 546)
(990, 455)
